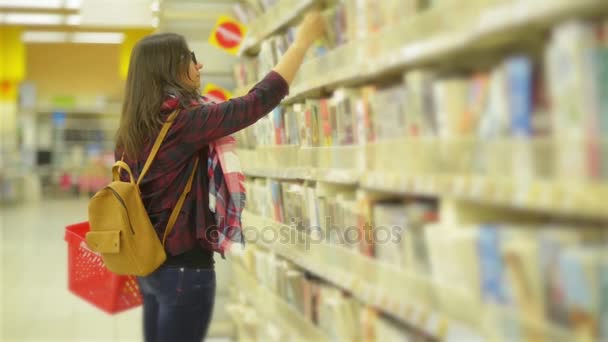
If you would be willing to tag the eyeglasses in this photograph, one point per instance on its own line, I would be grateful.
(193, 57)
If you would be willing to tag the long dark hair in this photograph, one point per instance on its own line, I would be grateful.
(159, 63)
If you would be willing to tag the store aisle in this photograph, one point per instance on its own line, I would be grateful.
(36, 305)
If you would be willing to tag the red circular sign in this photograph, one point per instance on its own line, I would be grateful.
(228, 35)
(217, 94)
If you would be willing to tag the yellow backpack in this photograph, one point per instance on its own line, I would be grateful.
(121, 230)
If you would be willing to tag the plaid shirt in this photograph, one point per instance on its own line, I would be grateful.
(226, 192)
(190, 135)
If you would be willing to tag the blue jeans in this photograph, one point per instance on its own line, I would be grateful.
(178, 303)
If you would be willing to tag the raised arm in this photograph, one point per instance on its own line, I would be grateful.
(203, 124)
(311, 29)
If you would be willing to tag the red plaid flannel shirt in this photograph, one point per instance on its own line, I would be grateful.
(190, 134)
(227, 195)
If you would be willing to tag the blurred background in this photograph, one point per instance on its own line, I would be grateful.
(438, 171)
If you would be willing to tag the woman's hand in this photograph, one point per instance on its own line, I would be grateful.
(311, 29)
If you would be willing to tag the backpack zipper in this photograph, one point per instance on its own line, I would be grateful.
(124, 206)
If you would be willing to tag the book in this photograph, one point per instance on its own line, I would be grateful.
(390, 222)
(388, 110)
(343, 101)
(416, 255)
(276, 200)
(519, 75)
(419, 107)
(278, 126)
(364, 115)
(569, 78)
(450, 96)
(580, 273)
(294, 204)
(292, 129)
(553, 241)
(326, 123)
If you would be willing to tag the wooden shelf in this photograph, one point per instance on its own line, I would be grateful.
(371, 282)
(439, 310)
(275, 308)
(512, 173)
(477, 27)
(274, 19)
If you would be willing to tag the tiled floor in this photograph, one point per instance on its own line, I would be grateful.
(36, 305)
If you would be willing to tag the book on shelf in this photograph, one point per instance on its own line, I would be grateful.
(419, 105)
(415, 251)
(580, 272)
(275, 191)
(390, 223)
(450, 95)
(387, 105)
(344, 102)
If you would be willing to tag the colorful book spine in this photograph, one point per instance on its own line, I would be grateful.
(491, 265)
(325, 123)
(579, 270)
(519, 73)
(600, 61)
(276, 199)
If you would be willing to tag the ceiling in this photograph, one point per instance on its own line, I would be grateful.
(46, 21)
(70, 14)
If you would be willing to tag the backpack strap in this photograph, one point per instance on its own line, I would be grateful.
(156, 147)
(180, 203)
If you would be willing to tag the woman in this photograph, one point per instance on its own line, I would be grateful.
(164, 75)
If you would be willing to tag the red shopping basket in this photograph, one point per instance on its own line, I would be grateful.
(90, 280)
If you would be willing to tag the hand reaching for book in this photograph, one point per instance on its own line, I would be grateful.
(311, 29)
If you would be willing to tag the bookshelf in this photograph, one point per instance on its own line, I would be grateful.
(374, 282)
(567, 198)
(271, 21)
(276, 309)
(529, 182)
(478, 25)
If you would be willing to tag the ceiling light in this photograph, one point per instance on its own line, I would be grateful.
(97, 37)
(41, 4)
(31, 3)
(72, 37)
(44, 37)
(32, 19)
